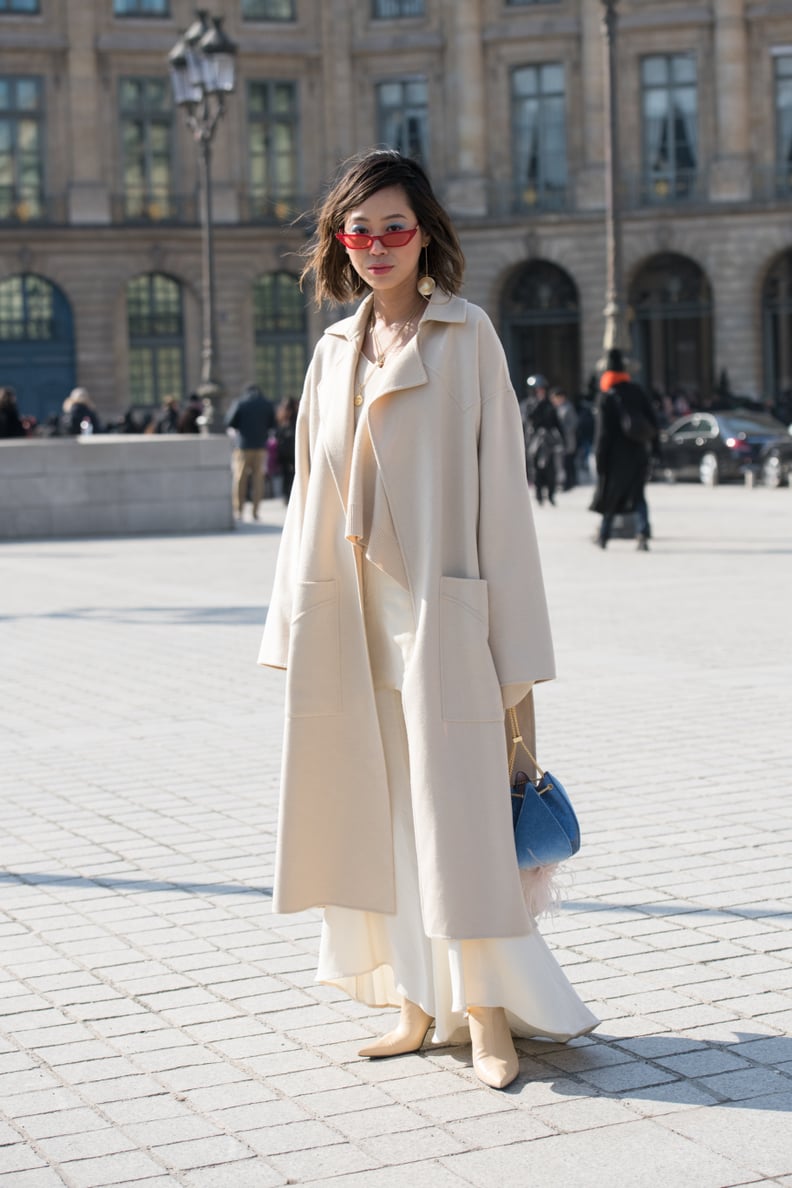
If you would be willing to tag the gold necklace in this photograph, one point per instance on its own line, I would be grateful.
(360, 393)
(400, 328)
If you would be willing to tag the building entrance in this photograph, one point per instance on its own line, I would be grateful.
(671, 302)
(540, 322)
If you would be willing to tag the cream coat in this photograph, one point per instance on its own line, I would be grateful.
(451, 515)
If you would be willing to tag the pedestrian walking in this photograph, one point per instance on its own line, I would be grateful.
(626, 435)
(544, 446)
(409, 611)
(286, 417)
(568, 420)
(253, 417)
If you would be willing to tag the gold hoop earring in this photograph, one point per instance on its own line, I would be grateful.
(427, 284)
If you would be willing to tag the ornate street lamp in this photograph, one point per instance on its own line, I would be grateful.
(615, 333)
(202, 69)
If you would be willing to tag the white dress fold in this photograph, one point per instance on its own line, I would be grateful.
(378, 959)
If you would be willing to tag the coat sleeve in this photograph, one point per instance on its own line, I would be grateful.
(274, 649)
(519, 632)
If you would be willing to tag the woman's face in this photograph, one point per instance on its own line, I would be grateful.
(386, 270)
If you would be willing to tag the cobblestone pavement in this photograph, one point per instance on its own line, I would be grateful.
(161, 1027)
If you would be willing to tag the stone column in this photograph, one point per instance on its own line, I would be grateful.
(730, 177)
(337, 83)
(590, 180)
(89, 199)
(466, 97)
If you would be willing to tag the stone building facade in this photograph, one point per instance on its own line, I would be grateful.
(100, 244)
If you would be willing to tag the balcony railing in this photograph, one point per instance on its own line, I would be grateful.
(262, 206)
(668, 188)
(30, 206)
(152, 207)
(773, 183)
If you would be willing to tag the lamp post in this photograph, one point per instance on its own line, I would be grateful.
(202, 69)
(615, 332)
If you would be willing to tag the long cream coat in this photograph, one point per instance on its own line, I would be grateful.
(453, 513)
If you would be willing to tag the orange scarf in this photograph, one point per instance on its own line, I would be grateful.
(609, 378)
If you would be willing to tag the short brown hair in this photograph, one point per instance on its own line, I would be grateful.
(358, 178)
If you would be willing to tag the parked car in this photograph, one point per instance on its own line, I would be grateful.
(715, 446)
(775, 463)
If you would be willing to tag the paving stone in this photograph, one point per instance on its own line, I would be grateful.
(589, 1157)
(110, 1169)
(754, 1135)
(204, 1152)
(248, 1173)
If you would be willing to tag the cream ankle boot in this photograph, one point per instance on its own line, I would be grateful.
(494, 1057)
(407, 1036)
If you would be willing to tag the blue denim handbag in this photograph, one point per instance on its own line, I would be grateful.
(546, 830)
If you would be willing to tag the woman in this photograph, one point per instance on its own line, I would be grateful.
(408, 611)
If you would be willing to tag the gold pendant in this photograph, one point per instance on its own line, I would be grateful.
(358, 399)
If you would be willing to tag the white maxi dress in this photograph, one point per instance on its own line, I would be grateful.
(378, 959)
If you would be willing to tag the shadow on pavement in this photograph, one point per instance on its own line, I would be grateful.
(674, 909)
(226, 616)
(34, 878)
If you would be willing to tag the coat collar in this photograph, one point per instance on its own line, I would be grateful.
(406, 371)
(439, 308)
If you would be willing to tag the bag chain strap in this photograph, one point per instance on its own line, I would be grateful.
(518, 740)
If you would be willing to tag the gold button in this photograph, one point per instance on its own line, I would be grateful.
(358, 399)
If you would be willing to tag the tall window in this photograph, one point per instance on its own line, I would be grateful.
(26, 308)
(403, 116)
(268, 10)
(21, 149)
(525, 3)
(539, 136)
(155, 327)
(24, 6)
(272, 148)
(783, 113)
(141, 8)
(280, 329)
(670, 126)
(384, 10)
(146, 139)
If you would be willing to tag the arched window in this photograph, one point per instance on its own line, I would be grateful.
(671, 301)
(280, 329)
(36, 343)
(155, 326)
(541, 326)
(777, 326)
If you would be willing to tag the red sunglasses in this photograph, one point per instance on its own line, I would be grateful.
(359, 242)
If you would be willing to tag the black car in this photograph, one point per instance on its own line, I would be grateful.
(714, 446)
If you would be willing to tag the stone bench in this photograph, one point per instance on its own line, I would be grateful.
(115, 485)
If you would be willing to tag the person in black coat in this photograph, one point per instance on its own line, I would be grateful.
(625, 438)
(545, 443)
(10, 421)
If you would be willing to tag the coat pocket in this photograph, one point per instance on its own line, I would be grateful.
(313, 674)
(469, 684)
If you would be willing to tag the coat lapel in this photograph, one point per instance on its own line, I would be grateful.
(336, 390)
(334, 394)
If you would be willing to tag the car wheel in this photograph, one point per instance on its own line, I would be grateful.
(709, 471)
(773, 473)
